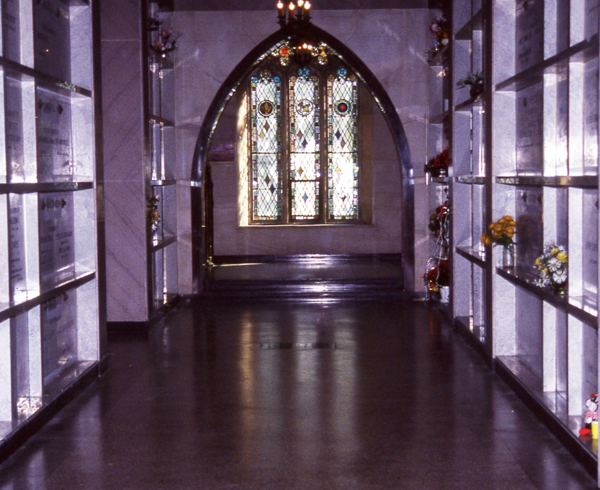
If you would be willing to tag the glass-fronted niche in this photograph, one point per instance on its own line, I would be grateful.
(50, 36)
(58, 146)
(49, 298)
(545, 165)
(46, 80)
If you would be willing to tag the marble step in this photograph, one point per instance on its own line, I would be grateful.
(309, 289)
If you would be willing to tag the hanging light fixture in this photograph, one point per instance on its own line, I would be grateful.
(294, 15)
(293, 12)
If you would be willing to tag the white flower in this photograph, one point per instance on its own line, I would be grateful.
(554, 264)
(560, 277)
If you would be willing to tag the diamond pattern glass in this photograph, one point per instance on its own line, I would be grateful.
(304, 137)
(266, 181)
(342, 146)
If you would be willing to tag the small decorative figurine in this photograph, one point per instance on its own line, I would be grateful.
(591, 417)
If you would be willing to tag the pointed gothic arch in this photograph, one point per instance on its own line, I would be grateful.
(227, 90)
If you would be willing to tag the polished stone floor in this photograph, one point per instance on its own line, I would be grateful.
(366, 395)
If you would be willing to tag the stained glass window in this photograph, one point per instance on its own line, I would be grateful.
(342, 146)
(296, 177)
(265, 100)
(304, 151)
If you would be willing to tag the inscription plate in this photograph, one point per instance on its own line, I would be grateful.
(11, 30)
(563, 21)
(57, 251)
(529, 33)
(529, 214)
(13, 119)
(59, 335)
(590, 243)
(530, 132)
(590, 118)
(591, 18)
(54, 139)
(51, 38)
(16, 248)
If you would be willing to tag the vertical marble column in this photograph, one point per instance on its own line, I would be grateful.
(124, 161)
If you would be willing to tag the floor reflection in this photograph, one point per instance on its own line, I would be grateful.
(400, 402)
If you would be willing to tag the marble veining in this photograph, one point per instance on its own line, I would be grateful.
(122, 108)
(125, 209)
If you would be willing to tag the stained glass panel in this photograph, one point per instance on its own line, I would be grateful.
(342, 146)
(304, 137)
(265, 114)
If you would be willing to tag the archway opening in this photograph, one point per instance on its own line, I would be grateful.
(217, 159)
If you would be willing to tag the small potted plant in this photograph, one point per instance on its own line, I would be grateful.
(474, 81)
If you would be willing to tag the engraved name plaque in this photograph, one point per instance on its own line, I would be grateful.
(59, 335)
(11, 31)
(57, 254)
(13, 120)
(529, 214)
(590, 118)
(16, 248)
(530, 129)
(51, 38)
(54, 140)
(529, 34)
(590, 243)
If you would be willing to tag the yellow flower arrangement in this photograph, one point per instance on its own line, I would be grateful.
(501, 232)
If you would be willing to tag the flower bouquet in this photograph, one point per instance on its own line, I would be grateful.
(166, 42)
(153, 213)
(438, 165)
(552, 267)
(438, 221)
(437, 276)
(502, 232)
(440, 29)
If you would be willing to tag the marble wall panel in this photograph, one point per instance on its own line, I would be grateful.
(186, 143)
(121, 20)
(184, 238)
(122, 107)
(126, 252)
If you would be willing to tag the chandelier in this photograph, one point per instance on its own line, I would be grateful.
(297, 12)
(295, 18)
